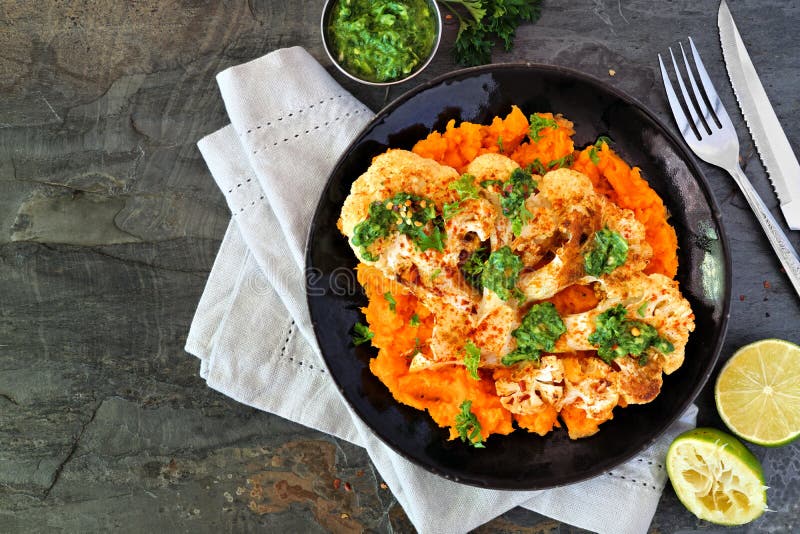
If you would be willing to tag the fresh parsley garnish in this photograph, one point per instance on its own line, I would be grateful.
(537, 167)
(539, 123)
(361, 334)
(390, 299)
(489, 183)
(486, 21)
(615, 335)
(593, 156)
(608, 251)
(600, 140)
(468, 426)
(538, 332)
(501, 272)
(465, 186)
(450, 209)
(642, 309)
(472, 269)
(405, 213)
(597, 146)
(541, 169)
(563, 161)
(414, 321)
(472, 358)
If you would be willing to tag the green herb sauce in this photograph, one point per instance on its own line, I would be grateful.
(380, 40)
(609, 250)
(405, 213)
(540, 329)
(616, 336)
(501, 272)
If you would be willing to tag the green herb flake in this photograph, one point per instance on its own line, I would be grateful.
(615, 336)
(608, 251)
(539, 123)
(468, 426)
(450, 209)
(540, 329)
(538, 167)
(472, 269)
(501, 272)
(593, 156)
(598, 145)
(642, 309)
(464, 186)
(435, 274)
(390, 299)
(361, 334)
(563, 161)
(500, 144)
(472, 358)
(491, 183)
(414, 321)
(600, 141)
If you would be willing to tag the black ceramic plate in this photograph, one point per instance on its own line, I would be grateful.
(522, 460)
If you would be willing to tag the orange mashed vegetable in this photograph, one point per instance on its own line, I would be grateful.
(441, 391)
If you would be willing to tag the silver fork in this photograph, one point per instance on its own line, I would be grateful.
(710, 134)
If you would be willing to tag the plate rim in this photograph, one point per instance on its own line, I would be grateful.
(688, 158)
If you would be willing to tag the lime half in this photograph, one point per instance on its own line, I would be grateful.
(716, 477)
(758, 392)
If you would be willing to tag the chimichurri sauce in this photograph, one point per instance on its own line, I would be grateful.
(381, 40)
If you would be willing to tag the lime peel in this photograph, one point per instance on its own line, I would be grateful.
(716, 477)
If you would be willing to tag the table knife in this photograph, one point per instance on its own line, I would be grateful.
(770, 140)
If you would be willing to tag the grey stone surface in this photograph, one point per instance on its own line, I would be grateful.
(109, 223)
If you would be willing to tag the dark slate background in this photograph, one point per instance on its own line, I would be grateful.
(110, 221)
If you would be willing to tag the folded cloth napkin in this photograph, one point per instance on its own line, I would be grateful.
(290, 121)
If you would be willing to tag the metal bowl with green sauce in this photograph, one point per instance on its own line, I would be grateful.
(381, 42)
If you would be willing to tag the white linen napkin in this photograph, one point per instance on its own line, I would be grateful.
(290, 121)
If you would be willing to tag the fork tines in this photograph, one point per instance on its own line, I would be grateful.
(703, 106)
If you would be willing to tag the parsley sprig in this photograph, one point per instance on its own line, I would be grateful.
(468, 426)
(486, 21)
(539, 123)
(465, 188)
(472, 269)
(472, 358)
(362, 334)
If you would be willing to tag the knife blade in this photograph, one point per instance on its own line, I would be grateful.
(771, 142)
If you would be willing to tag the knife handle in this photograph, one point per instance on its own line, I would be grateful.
(783, 247)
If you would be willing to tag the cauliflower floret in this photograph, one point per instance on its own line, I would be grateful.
(652, 299)
(531, 387)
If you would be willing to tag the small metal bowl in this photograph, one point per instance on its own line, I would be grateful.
(326, 13)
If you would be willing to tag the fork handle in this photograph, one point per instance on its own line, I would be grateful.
(783, 248)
